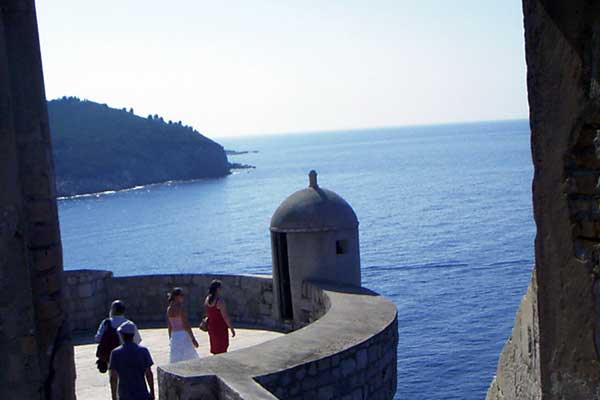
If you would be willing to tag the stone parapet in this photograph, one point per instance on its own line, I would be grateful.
(347, 353)
(345, 347)
(86, 298)
(90, 292)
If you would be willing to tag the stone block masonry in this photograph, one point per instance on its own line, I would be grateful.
(345, 348)
(90, 292)
(34, 337)
(87, 298)
(553, 352)
(347, 352)
(351, 374)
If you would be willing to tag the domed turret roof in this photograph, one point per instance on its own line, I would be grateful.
(313, 209)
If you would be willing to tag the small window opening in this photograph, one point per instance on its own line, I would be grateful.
(341, 247)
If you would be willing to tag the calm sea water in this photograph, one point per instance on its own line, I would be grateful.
(446, 232)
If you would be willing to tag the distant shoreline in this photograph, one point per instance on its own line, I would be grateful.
(132, 188)
(233, 166)
(241, 166)
(239, 153)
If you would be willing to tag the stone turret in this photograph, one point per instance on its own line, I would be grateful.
(314, 236)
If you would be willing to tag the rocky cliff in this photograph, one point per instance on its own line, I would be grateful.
(98, 148)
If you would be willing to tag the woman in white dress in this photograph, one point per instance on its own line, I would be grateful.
(183, 344)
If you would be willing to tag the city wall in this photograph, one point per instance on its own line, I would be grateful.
(90, 292)
(343, 348)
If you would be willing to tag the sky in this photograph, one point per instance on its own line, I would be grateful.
(239, 67)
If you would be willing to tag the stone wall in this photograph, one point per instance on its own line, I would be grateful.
(349, 352)
(560, 312)
(249, 298)
(37, 353)
(365, 371)
(311, 305)
(87, 298)
(518, 375)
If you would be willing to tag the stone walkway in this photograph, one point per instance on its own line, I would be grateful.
(92, 385)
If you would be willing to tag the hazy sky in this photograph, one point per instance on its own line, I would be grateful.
(258, 66)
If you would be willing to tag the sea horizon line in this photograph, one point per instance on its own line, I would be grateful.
(372, 128)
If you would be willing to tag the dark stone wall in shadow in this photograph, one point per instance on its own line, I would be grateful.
(558, 314)
(37, 354)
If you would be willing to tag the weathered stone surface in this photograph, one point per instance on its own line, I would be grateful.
(326, 393)
(320, 360)
(86, 290)
(362, 359)
(551, 354)
(348, 366)
(90, 292)
(33, 338)
(518, 375)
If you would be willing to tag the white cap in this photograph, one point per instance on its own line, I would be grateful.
(128, 328)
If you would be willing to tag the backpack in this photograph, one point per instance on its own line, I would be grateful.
(108, 342)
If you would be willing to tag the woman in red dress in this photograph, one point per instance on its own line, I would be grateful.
(218, 320)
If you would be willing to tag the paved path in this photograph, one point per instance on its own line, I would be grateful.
(92, 385)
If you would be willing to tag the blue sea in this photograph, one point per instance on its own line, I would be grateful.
(446, 232)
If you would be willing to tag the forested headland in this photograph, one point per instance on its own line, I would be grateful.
(98, 148)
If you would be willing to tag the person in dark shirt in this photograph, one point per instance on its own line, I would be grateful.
(130, 368)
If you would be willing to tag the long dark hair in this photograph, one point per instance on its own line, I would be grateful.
(212, 290)
(173, 294)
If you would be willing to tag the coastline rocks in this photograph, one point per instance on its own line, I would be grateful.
(241, 166)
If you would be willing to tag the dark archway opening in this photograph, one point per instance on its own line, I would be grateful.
(283, 274)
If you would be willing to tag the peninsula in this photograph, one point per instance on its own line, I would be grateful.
(98, 148)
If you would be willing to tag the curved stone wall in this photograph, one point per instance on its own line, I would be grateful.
(249, 298)
(90, 292)
(348, 353)
(343, 347)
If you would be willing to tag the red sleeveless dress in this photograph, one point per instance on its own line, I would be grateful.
(217, 330)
